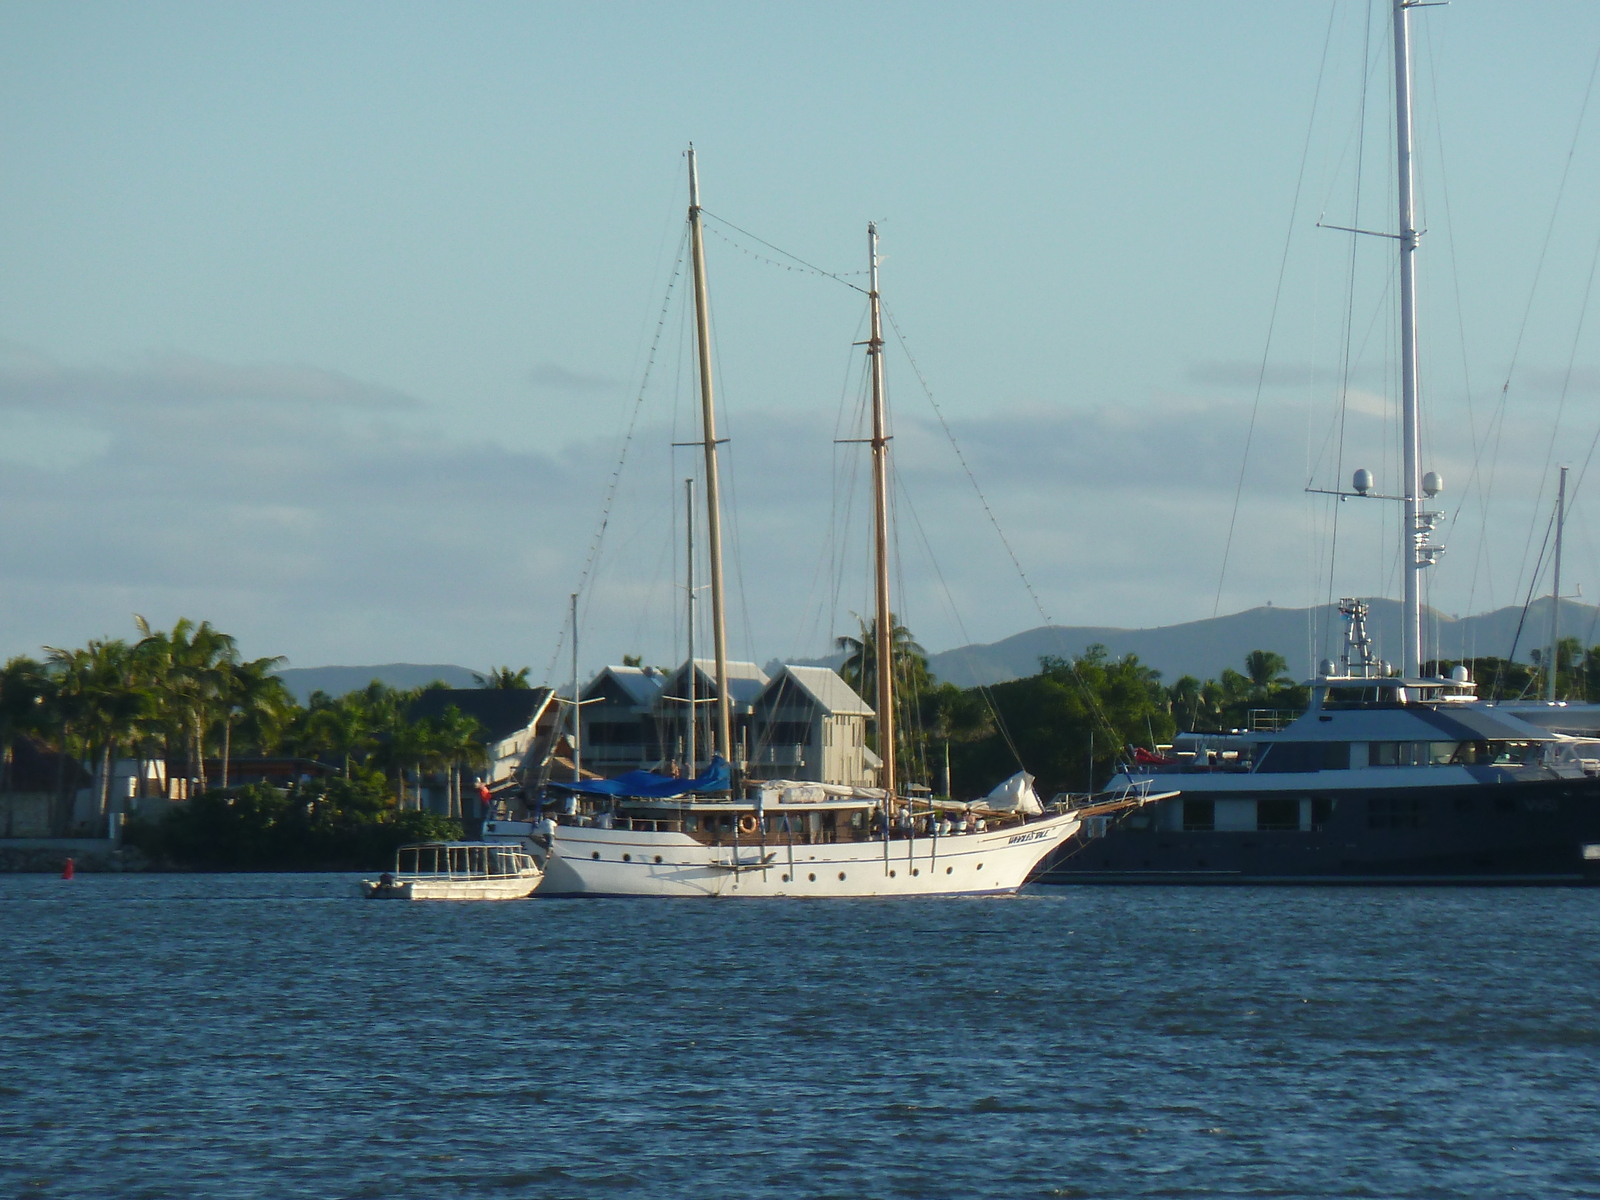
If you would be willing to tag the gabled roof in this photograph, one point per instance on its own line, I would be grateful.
(641, 684)
(501, 711)
(825, 689)
(745, 680)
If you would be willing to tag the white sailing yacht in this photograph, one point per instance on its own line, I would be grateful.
(650, 835)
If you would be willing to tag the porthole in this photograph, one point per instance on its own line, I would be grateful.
(596, 854)
(786, 879)
(627, 858)
(980, 866)
(947, 870)
(658, 858)
(841, 875)
(891, 875)
(813, 877)
(915, 871)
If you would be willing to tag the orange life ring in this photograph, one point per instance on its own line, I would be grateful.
(747, 823)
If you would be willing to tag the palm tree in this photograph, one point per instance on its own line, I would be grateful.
(101, 684)
(504, 678)
(191, 661)
(1265, 668)
(248, 689)
(339, 728)
(460, 744)
(22, 693)
(909, 663)
(860, 667)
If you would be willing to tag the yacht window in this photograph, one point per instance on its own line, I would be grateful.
(1199, 816)
(1300, 757)
(1278, 814)
(1415, 754)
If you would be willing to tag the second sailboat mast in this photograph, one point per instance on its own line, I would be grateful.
(708, 421)
(884, 636)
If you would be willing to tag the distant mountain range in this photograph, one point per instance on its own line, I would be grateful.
(336, 681)
(1204, 648)
(1198, 648)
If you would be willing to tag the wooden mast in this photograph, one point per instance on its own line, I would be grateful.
(708, 420)
(880, 511)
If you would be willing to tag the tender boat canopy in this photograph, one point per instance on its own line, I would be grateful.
(647, 785)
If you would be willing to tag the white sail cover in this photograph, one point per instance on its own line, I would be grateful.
(797, 791)
(1014, 795)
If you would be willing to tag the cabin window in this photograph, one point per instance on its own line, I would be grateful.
(1199, 816)
(1301, 757)
(1279, 814)
(1418, 754)
(1395, 812)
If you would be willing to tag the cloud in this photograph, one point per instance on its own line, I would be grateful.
(352, 531)
(1584, 380)
(171, 380)
(556, 378)
(1276, 375)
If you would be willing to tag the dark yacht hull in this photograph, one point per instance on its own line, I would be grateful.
(1521, 833)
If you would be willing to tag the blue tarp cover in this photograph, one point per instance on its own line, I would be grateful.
(648, 785)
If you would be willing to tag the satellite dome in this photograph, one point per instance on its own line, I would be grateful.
(1362, 481)
(1432, 484)
(1460, 674)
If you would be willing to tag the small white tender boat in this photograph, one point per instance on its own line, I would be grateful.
(456, 871)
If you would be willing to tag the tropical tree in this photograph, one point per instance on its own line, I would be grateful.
(102, 697)
(252, 692)
(337, 728)
(23, 688)
(191, 663)
(1069, 724)
(505, 678)
(458, 740)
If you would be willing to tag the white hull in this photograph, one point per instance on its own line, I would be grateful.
(586, 861)
(508, 888)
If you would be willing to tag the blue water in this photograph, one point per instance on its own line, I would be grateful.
(274, 1036)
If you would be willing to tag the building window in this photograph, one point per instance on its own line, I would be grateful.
(1199, 816)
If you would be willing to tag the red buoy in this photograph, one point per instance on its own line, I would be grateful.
(66, 871)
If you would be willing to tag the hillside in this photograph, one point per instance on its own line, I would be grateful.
(1204, 648)
(336, 681)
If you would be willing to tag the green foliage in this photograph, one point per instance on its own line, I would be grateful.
(505, 677)
(1225, 702)
(1050, 717)
(334, 824)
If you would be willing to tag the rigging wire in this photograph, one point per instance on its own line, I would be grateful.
(836, 276)
(1272, 321)
(1093, 702)
(627, 440)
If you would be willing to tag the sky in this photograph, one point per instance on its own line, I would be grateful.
(330, 323)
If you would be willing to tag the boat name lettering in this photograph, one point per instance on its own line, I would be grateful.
(1032, 835)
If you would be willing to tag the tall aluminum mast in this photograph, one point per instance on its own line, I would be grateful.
(880, 513)
(708, 423)
(1416, 551)
(1555, 591)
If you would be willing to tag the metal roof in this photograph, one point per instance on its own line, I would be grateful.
(642, 684)
(826, 689)
(745, 680)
